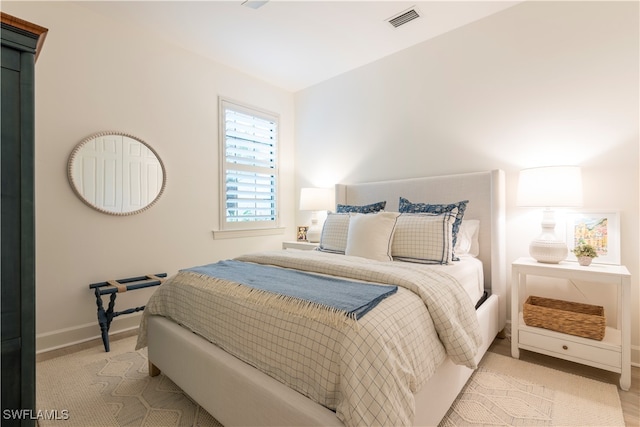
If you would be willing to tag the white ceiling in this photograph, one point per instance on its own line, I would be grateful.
(295, 44)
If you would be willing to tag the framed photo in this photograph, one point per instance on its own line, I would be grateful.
(599, 229)
(302, 233)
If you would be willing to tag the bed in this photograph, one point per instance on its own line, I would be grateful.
(237, 393)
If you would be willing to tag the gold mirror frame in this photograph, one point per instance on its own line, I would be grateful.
(77, 185)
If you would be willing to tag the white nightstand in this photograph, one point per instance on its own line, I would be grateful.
(613, 353)
(299, 244)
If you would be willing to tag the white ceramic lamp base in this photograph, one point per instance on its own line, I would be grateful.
(547, 247)
(547, 251)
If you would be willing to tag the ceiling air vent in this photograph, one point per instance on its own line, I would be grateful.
(404, 17)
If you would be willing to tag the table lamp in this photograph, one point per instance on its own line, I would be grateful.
(314, 200)
(549, 187)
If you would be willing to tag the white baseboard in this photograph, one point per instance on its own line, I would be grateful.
(87, 332)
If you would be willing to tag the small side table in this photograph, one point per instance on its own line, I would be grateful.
(112, 288)
(299, 244)
(613, 353)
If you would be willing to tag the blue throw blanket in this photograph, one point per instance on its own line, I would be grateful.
(354, 299)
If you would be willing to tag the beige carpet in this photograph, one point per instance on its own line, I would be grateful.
(94, 388)
(509, 392)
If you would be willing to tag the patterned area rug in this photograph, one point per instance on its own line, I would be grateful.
(94, 388)
(509, 392)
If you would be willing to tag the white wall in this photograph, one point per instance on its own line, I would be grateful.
(538, 84)
(95, 74)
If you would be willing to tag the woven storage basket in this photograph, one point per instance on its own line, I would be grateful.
(572, 318)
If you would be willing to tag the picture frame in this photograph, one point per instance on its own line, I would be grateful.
(302, 233)
(601, 229)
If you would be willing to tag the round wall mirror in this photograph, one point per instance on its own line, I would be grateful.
(116, 173)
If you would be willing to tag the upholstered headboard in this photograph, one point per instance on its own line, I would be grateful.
(486, 194)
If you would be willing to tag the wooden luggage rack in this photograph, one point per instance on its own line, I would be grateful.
(112, 288)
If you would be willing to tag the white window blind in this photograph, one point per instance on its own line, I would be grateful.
(249, 139)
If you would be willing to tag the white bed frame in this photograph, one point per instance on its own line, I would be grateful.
(238, 394)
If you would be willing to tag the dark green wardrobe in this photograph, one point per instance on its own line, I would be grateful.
(20, 43)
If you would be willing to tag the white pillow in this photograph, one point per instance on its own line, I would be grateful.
(467, 243)
(334, 233)
(370, 235)
(424, 238)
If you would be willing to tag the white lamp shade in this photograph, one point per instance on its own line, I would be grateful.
(550, 186)
(315, 199)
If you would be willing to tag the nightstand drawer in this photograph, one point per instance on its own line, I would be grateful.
(569, 349)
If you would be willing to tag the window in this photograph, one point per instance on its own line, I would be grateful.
(249, 167)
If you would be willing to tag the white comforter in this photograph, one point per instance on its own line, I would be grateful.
(368, 374)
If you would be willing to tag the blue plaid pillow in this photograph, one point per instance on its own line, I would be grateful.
(405, 206)
(365, 209)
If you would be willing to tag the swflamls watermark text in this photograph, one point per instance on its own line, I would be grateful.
(40, 414)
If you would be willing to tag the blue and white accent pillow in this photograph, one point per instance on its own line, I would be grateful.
(364, 209)
(405, 206)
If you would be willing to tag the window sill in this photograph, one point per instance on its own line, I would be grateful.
(234, 234)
